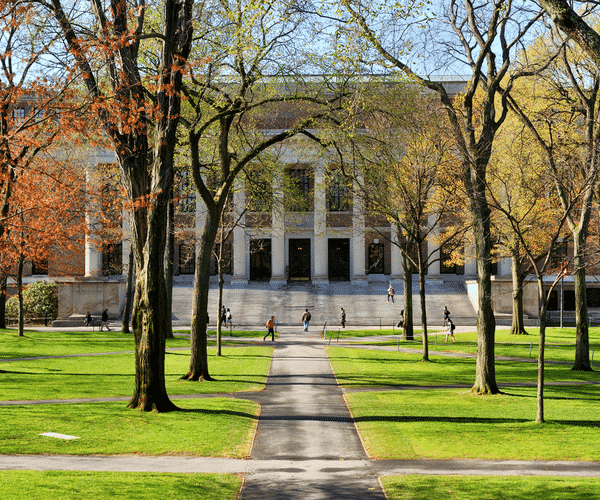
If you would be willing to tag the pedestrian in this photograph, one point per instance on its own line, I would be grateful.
(401, 322)
(343, 317)
(88, 319)
(391, 293)
(446, 316)
(229, 318)
(450, 331)
(270, 329)
(104, 321)
(223, 316)
(306, 319)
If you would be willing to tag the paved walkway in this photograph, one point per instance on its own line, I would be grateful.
(306, 446)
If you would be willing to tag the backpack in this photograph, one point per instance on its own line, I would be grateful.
(452, 327)
(308, 316)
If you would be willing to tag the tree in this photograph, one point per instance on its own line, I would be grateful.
(403, 170)
(45, 214)
(34, 107)
(483, 35)
(571, 96)
(229, 98)
(108, 49)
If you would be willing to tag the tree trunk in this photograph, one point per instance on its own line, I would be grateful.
(150, 315)
(408, 327)
(128, 295)
(199, 355)
(3, 283)
(423, 309)
(541, 352)
(582, 341)
(485, 376)
(518, 327)
(220, 304)
(20, 292)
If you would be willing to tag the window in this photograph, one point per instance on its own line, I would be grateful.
(259, 191)
(19, 115)
(39, 267)
(226, 258)
(112, 259)
(298, 195)
(376, 258)
(446, 265)
(186, 193)
(187, 258)
(338, 194)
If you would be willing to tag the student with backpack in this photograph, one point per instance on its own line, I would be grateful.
(306, 319)
(450, 331)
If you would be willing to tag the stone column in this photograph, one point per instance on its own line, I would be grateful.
(126, 247)
(396, 257)
(359, 275)
(93, 241)
(278, 274)
(240, 248)
(320, 252)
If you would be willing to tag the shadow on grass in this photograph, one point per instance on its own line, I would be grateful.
(472, 420)
(231, 413)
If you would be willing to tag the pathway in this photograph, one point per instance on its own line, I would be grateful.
(303, 418)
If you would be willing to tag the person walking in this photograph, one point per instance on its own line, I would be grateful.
(229, 318)
(401, 322)
(343, 317)
(390, 293)
(450, 331)
(306, 319)
(270, 329)
(223, 316)
(104, 321)
(88, 319)
(446, 316)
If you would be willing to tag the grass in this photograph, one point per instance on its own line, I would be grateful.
(490, 488)
(216, 427)
(373, 368)
(345, 333)
(560, 343)
(48, 343)
(451, 424)
(238, 369)
(16, 485)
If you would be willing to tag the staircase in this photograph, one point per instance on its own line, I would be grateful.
(365, 305)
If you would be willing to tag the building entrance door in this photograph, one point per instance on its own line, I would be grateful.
(260, 259)
(299, 255)
(339, 259)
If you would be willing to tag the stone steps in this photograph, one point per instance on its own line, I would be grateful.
(252, 304)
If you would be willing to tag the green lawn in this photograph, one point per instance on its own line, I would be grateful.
(357, 367)
(490, 488)
(16, 485)
(560, 344)
(218, 427)
(35, 344)
(451, 423)
(238, 369)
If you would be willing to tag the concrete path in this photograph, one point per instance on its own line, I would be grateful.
(304, 418)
